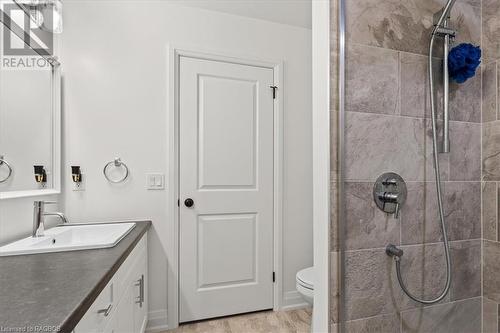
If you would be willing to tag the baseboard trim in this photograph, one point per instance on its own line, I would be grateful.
(293, 300)
(157, 321)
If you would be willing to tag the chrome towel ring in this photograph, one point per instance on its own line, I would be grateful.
(4, 162)
(117, 163)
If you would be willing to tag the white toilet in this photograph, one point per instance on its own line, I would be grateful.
(305, 284)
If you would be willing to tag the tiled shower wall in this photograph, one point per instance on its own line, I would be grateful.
(491, 165)
(388, 128)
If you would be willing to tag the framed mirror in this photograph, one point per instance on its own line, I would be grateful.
(30, 116)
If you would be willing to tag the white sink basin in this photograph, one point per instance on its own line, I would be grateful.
(70, 238)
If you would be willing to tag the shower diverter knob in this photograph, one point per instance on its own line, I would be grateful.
(389, 193)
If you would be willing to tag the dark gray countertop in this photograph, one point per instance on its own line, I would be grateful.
(56, 289)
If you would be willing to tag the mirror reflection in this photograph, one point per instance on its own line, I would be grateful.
(26, 122)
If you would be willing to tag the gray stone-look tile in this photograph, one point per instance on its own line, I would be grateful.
(465, 151)
(369, 284)
(462, 210)
(423, 273)
(389, 323)
(415, 97)
(367, 226)
(466, 19)
(377, 143)
(391, 24)
(371, 80)
(476, 3)
(405, 25)
(334, 222)
(497, 212)
(490, 210)
(490, 316)
(334, 9)
(465, 101)
(466, 269)
(491, 269)
(457, 317)
(334, 287)
(334, 145)
(419, 215)
(491, 151)
(414, 85)
(489, 86)
(491, 29)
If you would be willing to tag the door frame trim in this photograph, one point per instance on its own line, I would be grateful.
(174, 53)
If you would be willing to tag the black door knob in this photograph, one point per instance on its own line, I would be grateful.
(189, 202)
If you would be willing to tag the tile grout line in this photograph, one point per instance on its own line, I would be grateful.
(413, 117)
(415, 245)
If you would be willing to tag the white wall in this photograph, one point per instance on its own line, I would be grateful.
(114, 104)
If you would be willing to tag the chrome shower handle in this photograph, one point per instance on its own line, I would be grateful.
(389, 193)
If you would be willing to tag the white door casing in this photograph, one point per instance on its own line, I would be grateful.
(226, 166)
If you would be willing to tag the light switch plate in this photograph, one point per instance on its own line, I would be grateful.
(155, 181)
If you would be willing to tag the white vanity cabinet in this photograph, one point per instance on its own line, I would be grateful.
(122, 306)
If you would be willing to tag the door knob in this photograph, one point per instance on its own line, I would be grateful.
(189, 202)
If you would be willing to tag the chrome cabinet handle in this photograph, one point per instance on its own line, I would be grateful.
(140, 284)
(9, 168)
(106, 311)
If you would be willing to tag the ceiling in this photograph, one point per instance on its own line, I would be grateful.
(291, 12)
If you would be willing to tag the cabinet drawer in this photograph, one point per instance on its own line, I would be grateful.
(99, 314)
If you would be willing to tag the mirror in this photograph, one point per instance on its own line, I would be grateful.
(29, 121)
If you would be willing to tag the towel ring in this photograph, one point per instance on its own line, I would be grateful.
(117, 162)
(4, 162)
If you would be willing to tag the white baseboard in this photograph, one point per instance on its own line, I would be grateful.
(293, 300)
(157, 321)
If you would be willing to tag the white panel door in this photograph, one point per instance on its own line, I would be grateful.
(226, 168)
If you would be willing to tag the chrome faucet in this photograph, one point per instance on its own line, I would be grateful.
(38, 217)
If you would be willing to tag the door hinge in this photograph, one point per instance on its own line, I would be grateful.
(274, 88)
(274, 276)
(178, 202)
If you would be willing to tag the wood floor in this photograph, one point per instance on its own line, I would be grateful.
(294, 321)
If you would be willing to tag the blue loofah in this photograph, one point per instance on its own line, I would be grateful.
(463, 60)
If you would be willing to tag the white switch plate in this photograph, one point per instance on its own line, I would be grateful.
(79, 186)
(155, 181)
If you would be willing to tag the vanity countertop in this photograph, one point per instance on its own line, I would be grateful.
(51, 292)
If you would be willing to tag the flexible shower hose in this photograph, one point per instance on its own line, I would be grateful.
(397, 259)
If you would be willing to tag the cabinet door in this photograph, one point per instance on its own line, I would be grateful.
(141, 291)
(124, 315)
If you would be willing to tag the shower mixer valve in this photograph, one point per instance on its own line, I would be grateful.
(389, 193)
